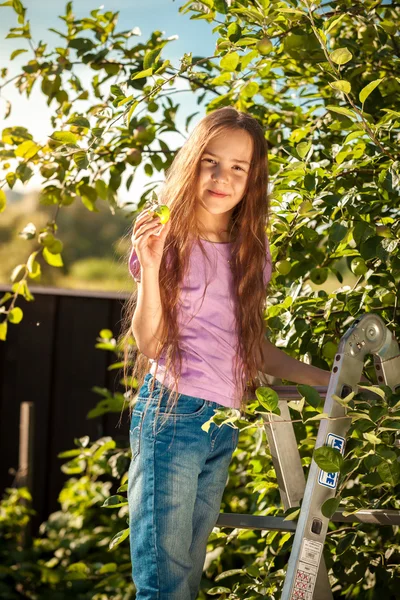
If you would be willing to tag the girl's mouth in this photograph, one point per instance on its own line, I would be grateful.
(217, 194)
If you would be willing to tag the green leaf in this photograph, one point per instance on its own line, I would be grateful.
(293, 513)
(18, 273)
(131, 111)
(328, 459)
(234, 32)
(21, 288)
(141, 74)
(64, 137)
(27, 150)
(303, 148)
(55, 260)
(345, 543)
(15, 315)
(74, 467)
(79, 122)
(106, 334)
(297, 405)
(268, 398)
(317, 417)
(341, 110)
(362, 231)
(118, 538)
(69, 453)
(229, 573)
(17, 52)
(218, 590)
(374, 389)
(368, 89)
(330, 506)
(3, 200)
(250, 89)
(389, 472)
(230, 61)
(78, 567)
(81, 159)
(310, 394)
(341, 85)
(110, 445)
(341, 56)
(151, 58)
(3, 331)
(114, 502)
(371, 438)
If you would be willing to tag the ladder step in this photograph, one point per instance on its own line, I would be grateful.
(238, 521)
(377, 516)
(243, 521)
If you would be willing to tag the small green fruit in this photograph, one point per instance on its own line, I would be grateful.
(389, 299)
(152, 107)
(358, 266)
(46, 238)
(140, 133)
(134, 157)
(161, 211)
(264, 46)
(283, 267)
(319, 275)
(56, 247)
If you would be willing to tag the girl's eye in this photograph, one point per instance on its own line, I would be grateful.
(212, 160)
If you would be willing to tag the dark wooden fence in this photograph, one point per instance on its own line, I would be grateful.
(50, 359)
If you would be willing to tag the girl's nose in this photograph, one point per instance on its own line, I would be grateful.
(220, 173)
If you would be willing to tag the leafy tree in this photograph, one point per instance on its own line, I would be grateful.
(323, 80)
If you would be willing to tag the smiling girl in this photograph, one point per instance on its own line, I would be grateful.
(197, 319)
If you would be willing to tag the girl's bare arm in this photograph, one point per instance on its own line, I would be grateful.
(147, 320)
(279, 364)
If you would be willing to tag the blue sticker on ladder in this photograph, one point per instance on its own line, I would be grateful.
(330, 479)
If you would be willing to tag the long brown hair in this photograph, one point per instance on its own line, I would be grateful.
(247, 231)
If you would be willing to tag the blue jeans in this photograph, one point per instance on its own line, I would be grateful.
(177, 477)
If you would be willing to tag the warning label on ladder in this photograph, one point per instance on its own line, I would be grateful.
(330, 479)
(306, 574)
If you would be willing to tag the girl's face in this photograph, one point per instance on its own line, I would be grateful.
(224, 168)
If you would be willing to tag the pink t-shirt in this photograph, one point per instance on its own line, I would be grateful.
(207, 328)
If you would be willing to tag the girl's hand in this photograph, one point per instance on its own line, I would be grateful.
(148, 239)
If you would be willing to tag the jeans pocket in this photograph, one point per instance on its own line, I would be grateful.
(135, 432)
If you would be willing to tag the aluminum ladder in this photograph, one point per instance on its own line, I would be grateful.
(306, 577)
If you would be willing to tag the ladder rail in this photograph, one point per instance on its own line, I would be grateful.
(367, 335)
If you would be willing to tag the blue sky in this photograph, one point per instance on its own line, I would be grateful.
(149, 15)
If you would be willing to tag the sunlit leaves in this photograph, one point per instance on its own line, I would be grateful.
(342, 110)
(55, 260)
(27, 150)
(341, 56)
(3, 200)
(119, 538)
(368, 89)
(64, 137)
(341, 85)
(230, 61)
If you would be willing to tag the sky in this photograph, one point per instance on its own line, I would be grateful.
(148, 15)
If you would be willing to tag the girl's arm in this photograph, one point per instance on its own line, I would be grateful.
(147, 320)
(277, 363)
